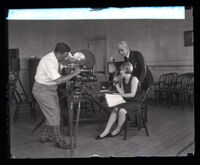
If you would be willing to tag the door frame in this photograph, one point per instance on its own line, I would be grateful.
(99, 37)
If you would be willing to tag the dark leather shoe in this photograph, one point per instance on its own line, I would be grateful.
(116, 134)
(99, 137)
(62, 144)
(46, 140)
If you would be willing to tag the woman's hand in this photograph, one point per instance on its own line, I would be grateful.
(115, 79)
(123, 94)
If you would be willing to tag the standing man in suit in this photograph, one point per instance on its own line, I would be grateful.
(141, 70)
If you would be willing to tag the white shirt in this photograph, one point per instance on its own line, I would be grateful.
(128, 56)
(47, 70)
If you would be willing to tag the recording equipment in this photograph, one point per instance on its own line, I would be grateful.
(76, 58)
(83, 59)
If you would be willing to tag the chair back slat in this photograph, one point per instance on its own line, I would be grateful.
(183, 80)
(144, 97)
(166, 81)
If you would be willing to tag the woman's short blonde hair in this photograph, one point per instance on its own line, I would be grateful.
(127, 66)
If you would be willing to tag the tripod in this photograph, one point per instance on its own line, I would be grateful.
(75, 98)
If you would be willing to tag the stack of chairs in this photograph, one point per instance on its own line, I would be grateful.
(174, 88)
(184, 90)
(190, 93)
(164, 88)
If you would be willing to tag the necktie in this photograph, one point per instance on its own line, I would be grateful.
(59, 68)
(126, 59)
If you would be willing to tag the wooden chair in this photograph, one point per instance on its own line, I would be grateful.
(142, 111)
(164, 88)
(183, 90)
(190, 91)
(22, 100)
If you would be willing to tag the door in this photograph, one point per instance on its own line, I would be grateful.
(97, 45)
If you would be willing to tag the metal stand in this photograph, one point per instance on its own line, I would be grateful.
(18, 97)
(75, 98)
(38, 125)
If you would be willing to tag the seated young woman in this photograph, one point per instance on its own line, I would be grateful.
(127, 89)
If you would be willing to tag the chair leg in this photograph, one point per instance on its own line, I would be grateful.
(85, 105)
(92, 105)
(125, 130)
(145, 126)
(16, 114)
(168, 99)
(145, 112)
(183, 101)
(33, 111)
(160, 97)
(156, 98)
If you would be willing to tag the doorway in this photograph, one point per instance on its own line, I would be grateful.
(97, 45)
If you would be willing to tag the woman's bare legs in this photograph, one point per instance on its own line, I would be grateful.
(111, 121)
(121, 120)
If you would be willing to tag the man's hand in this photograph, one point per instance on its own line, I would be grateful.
(77, 71)
(63, 79)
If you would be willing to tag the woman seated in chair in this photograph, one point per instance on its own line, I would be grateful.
(128, 88)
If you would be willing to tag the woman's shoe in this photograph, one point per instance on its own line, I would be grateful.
(115, 134)
(99, 137)
(118, 132)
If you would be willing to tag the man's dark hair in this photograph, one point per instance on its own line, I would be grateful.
(61, 47)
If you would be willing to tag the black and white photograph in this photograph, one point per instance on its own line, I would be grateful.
(84, 88)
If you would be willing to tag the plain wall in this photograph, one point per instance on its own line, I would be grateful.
(160, 41)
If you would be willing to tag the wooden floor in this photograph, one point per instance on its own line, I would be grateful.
(170, 131)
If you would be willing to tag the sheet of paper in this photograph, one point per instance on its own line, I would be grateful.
(114, 99)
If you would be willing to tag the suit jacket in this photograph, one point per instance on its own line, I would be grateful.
(140, 69)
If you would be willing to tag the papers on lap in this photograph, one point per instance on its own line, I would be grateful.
(114, 99)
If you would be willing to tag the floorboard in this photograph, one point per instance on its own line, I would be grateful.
(170, 129)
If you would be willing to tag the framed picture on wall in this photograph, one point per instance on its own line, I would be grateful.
(188, 38)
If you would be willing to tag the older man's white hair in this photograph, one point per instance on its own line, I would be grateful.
(124, 44)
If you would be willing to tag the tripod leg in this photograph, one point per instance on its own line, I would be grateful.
(38, 125)
(11, 102)
(77, 122)
(70, 117)
(21, 85)
(16, 114)
(11, 95)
